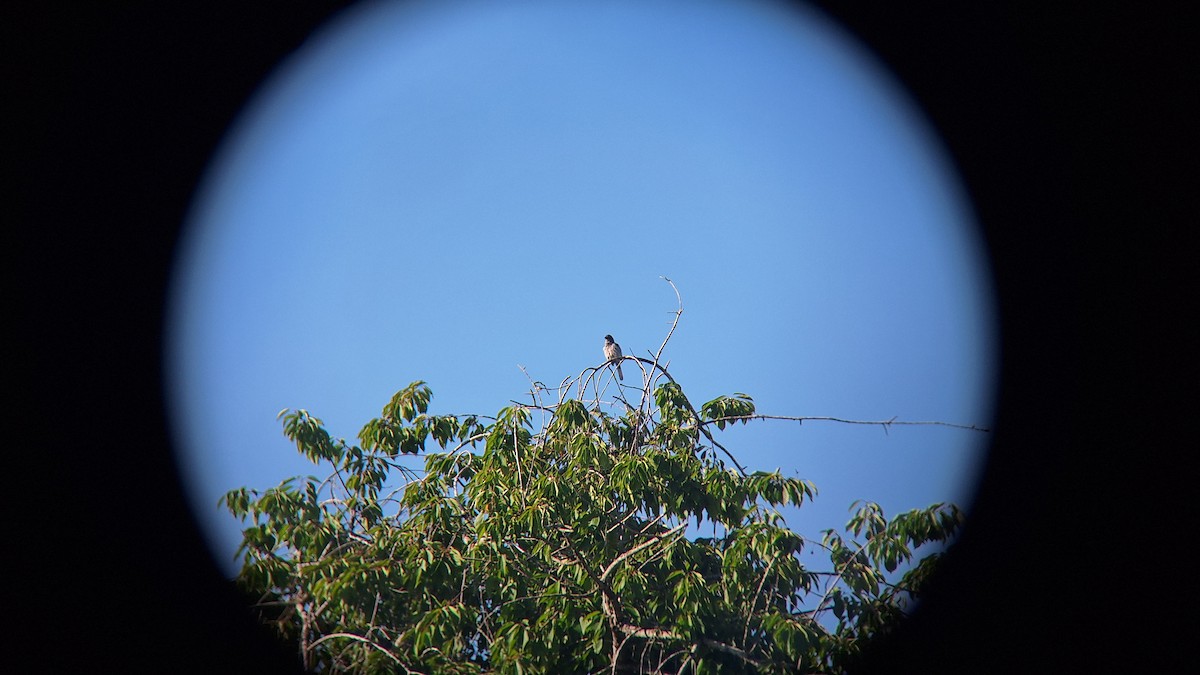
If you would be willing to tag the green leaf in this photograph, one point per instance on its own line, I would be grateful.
(489, 557)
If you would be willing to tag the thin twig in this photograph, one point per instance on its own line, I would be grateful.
(883, 423)
(658, 355)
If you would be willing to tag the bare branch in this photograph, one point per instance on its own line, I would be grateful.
(883, 423)
(667, 634)
(372, 643)
(674, 324)
(757, 594)
(730, 649)
(644, 545)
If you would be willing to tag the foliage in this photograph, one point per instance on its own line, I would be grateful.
(563, 546)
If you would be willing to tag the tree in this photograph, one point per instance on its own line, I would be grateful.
(563, 546)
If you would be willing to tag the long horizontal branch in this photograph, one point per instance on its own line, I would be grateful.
(883, 423)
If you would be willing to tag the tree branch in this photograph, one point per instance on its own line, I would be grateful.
(362, 639)
(644, 545)
(883, 423)
(665, 634)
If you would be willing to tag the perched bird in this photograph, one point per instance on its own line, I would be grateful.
(612, 352)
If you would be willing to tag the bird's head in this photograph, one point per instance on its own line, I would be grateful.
(608, 338)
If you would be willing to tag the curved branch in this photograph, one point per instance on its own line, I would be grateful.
(695, 414)
(674, 324)
(362, 639)
(644, 545)
(678, 313)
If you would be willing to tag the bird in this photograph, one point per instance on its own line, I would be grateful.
(612, 352)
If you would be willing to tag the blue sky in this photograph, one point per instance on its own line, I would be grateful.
(449, 192)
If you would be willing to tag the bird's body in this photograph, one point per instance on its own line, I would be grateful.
(612, 352)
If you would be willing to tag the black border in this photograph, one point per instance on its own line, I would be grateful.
(1070, 125)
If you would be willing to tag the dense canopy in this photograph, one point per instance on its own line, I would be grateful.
(609, 531)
